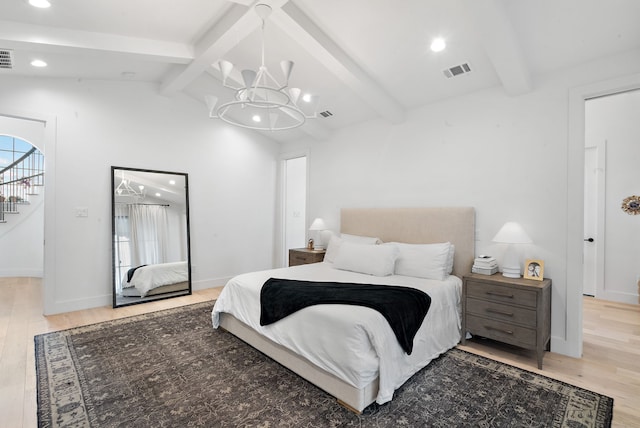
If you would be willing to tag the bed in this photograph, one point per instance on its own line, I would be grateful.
(350, 351)
(150, 280)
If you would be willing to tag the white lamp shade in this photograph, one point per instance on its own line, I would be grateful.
(512, 233)
(318, 224)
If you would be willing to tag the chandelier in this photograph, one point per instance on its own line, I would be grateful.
(124, 189)
(262, 103)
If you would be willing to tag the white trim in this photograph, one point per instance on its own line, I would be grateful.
(571, 344)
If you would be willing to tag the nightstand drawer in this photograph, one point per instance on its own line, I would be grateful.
(303, 256)
(499, 293)
(502, 312)
(504, 332)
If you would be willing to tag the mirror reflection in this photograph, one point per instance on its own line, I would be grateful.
(150, 225)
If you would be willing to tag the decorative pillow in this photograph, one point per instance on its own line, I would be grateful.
(360, 239)
(431, 261)
(377, 260)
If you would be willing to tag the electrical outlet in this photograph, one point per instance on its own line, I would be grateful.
(81, 211)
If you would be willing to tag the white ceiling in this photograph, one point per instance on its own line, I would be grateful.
(364, 58)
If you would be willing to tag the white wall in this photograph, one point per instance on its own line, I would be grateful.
(505, 156)
(100, 124)
(614, 119)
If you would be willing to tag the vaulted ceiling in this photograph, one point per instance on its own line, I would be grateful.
(365, 59)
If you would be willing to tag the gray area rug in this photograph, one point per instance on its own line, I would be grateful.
(172, 369)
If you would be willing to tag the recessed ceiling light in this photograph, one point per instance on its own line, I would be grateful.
(172, 182)
(158, 195)
(38, 63)
(256, 118)
(438, 44)
(43, 4)
(306, 98)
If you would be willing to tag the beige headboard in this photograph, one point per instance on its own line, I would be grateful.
(417, 226)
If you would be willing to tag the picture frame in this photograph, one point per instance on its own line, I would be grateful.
(534, 269)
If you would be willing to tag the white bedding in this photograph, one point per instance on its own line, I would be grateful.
(352, 342)
(147, 278)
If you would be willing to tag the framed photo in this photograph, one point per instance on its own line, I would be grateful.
(534, 269)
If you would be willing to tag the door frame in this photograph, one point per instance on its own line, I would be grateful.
(571, 344)
(280, 233)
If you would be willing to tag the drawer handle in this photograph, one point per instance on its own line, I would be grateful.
(498, 329)
(495, 311)
(492, 293)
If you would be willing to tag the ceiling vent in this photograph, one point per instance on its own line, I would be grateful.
(457, 70)
(6, 58)
(325, 113)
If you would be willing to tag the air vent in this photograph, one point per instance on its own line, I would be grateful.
(326, 113)
(457, 70)
(6, 59)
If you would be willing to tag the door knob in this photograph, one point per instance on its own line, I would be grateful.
(589, 239)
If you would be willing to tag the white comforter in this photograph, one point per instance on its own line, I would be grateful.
(147, 278)
(352, 342)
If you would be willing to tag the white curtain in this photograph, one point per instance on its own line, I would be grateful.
(141, 237)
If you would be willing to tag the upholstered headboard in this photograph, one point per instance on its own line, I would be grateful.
(417, 226)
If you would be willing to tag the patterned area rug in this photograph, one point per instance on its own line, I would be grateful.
(172, 369)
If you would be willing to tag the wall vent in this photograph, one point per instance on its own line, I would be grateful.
(6, 58)
(326, 113)
(457, 70)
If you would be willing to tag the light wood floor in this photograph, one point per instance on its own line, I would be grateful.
(610, 364)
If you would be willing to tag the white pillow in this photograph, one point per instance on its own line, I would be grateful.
(452, 254)
(360, 239)
(333, 247)
(377, 260)
(429, 261)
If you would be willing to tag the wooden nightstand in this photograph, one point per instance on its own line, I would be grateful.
(303, 256)
(510, 310)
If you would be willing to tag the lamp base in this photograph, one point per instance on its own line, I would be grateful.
(511, 272)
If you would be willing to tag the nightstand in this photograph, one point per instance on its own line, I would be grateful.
(303, 256)
(510, 310)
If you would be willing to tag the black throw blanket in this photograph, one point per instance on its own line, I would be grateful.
(403, 307)
(131, 271)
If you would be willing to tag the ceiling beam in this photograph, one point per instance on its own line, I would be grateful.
(14, 35)
(238, 23)
(501, 44)
(303, 30)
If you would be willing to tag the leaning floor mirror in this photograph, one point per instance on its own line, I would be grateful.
(150, 230)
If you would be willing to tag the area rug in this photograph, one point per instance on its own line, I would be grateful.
(172, 369)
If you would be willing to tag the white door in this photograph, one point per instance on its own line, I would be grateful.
(594, 179)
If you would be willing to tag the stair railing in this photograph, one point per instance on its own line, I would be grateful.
(19, 180)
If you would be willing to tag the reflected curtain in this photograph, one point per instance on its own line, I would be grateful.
(148, 225)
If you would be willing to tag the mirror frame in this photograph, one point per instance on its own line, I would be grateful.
(153, 298)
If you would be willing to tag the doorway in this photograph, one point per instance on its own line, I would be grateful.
(294, 204)
(610, 260)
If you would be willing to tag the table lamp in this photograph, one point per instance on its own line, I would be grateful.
(317, 226)
(511, 233)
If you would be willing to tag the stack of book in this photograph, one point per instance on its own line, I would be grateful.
(485, 265)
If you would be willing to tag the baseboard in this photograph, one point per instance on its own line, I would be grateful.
(203, 284)
(63, 306)
(21, 273)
